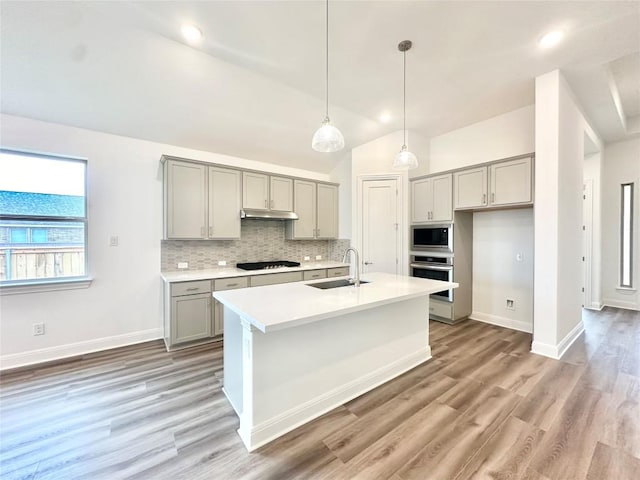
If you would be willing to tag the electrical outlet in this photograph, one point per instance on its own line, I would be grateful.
(182, 265)
(318, 257)
(222, 263)
(113, 241)
(38, 328)
(511, 304)
(307, 258)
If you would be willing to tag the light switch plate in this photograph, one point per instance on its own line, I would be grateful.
(182, 265)
(318, 257)
(307, 258)
(222, 263)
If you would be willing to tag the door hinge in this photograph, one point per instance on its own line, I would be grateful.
(396, 225)
(584, 197)
(582, 289)
(583, 227)
(583, 259)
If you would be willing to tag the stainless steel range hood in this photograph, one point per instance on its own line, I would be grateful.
(268, 214)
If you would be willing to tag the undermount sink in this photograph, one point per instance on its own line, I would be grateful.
(334, 284)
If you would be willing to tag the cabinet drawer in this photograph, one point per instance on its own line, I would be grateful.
(440, 309)
(338, 272)
(190, 288)
(230, 283)
(273, 278)
(314, 274)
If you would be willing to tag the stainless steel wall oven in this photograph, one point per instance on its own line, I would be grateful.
(434, 267)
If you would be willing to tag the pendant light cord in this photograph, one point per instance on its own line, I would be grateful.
(326, 36)
(404, 97)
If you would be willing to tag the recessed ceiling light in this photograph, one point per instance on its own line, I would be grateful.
(384, 117)
(191, 34)
(551, 39)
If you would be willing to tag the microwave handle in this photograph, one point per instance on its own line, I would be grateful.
(430, 267)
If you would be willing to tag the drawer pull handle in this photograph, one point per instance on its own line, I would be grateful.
(232, 284)
(192, 289)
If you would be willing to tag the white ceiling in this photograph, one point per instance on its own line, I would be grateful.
(255, 87)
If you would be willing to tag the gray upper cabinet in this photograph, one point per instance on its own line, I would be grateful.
(224, 203)
(499, 184)
(317, 207)
(431, 199)
(327, 211)
(511, 182)
(201, 202)
(185, 199)
(267, 192)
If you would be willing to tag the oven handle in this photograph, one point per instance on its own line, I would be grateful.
(429, 267)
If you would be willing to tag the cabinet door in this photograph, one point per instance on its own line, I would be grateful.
(420, 200)
(441, 189)
(281, 194)
(224, 203)
(186, 199)
(470, 188)
(305, 206)
(327, 211)
(218, 318)
(255, 191)
(191, 318)
(510, 182)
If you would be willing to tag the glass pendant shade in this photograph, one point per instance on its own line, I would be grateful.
(327, 138)
(405, 159)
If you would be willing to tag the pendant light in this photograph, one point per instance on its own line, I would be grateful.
(327, 138)
(405, 159)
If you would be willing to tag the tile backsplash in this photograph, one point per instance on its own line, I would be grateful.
(261, 240)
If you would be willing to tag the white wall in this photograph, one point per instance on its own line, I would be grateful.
(504, 136)
(560, 136)
(123, 305)
(621, 165)
(592, 174)
(498, 238)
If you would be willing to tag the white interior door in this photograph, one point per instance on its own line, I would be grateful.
(380, 233)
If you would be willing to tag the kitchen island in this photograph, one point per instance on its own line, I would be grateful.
(293, 352)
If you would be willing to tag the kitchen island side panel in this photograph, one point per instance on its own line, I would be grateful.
(300, 373)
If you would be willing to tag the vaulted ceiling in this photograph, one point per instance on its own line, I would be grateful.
(254, 87)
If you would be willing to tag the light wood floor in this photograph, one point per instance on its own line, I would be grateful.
(483, 407)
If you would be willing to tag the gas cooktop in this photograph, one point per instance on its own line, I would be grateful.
(263, 265)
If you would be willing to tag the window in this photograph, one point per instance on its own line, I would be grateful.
(43, 220)
(626, 236)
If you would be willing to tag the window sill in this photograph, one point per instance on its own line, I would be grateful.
(18, 288)
(626, 289)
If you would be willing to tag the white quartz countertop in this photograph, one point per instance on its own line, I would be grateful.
(275, 307)
(228, 272)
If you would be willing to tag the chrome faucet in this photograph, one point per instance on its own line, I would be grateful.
(356, 281)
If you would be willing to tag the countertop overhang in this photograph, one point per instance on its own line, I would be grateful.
(276, 307)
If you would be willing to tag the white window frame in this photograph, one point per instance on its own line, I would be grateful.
(627, 236)
(12, 287)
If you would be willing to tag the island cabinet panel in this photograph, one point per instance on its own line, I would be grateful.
(273, 278)
(511, 182)
(327, 211)
(224, 203)
(314, 274)
(281, 194)
(255, 190)
(470, 188)
(185, 200)
(218, 310)
(431, 199)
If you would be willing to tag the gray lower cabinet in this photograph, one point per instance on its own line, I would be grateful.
(191, 312)
(315, 274)
(337, 272)
(273, 278)
(221, 285)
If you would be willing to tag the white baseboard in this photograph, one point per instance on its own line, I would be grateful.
(557, 351)
(31, 357)
(502, 321)
(611, 302)
(277, 426)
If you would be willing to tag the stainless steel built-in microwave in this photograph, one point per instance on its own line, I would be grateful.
(432, 237)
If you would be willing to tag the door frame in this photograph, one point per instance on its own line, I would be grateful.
(401, 214)
(587, 243)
